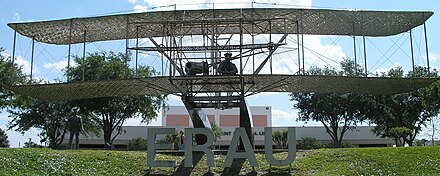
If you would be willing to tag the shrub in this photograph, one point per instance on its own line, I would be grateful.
(171, 138)
(309, 143)
(137, 144)
(344, 144)
(280, 138)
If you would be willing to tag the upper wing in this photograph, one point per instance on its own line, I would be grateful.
(189, 22)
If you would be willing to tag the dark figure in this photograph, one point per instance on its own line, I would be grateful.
(76, 127)
(226, 67)
(182, 140)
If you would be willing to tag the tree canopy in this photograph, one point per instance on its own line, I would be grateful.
(114, 111)
(337, 112)
(410, 111)
(10, 74)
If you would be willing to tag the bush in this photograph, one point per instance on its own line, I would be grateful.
(4, 142)
(421, 142)
(137, 144)
(309, 143)
(344, 144)
(171, 138)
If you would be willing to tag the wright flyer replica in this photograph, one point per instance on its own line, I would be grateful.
(220, 70)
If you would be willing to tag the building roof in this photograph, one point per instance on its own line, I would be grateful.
(190, 22)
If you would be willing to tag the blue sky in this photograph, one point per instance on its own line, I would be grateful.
(50, 59)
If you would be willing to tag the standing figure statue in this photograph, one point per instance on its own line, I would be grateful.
(181, 140)
(226, 67)
(76, 127)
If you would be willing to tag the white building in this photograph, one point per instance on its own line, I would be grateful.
(177, 117)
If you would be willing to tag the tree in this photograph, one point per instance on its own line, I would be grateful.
(433, 129)
(338, 112)
(280, 138)
(51, 117)
(216, 130)
(9, 75)
(408, 110)
(114, 111)
(4, 142)
(399, 134)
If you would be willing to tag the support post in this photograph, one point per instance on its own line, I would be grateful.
(365, 57)
(13, 47)
(412, 51)
(84, 56)
(68, 53)
(354, 51)
(126, 48)
(270, 41)
(302, 43)
(241, 51)
(253, 38)
(137, 51)
(32, 59)
(299, 51)
(426, 48)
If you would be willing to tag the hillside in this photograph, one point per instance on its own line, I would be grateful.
(356, 161)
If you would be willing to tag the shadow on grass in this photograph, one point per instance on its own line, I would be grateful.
(276, 174)
(182, 170)
(237, 164)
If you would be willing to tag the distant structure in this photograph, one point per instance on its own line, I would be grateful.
(177, 117)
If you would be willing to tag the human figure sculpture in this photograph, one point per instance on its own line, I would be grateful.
(75, 124)
(181, 140)
(226, 67)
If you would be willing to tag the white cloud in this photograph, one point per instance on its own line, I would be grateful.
(219, 4)
(174, 100)
(285, 59)
(140, 8)
(57, 65)
(16, 17)
(138, 121)
(433, 56)
(21, 62)
(132, 1)
(278, 114)
(328, 54)
(385, 69)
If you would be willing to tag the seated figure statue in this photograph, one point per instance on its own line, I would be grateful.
(226, 67)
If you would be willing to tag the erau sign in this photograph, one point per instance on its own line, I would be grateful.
(239, 133)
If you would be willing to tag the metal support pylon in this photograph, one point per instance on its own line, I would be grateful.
(246, 121)
(198, 118)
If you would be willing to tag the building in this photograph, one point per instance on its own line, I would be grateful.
(228, 119)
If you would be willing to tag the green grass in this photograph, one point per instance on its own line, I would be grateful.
(356, 161)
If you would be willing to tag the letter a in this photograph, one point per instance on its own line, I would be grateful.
(248, 152)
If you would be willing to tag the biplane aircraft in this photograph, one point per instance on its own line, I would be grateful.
(201, 81)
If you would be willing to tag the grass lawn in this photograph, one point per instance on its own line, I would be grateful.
(355, 161)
